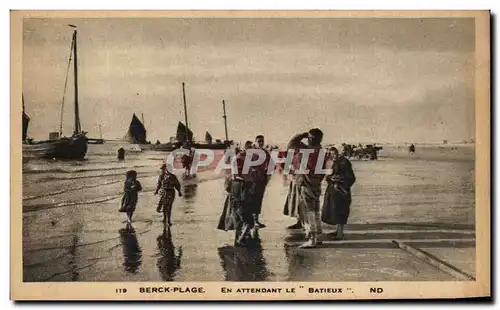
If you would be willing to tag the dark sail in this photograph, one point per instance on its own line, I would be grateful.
(208, 138)
(26, 121)
(136, 133)
(181, 133)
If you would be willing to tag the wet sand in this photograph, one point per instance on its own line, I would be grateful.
(72, 230)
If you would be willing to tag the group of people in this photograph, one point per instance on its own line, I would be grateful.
(243, 202)
(303, 200)
(245, 191)
(168, 184)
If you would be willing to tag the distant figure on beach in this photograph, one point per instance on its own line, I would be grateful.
(348, 150)
(411, 149)
(303, 201)
(261, 178)
(121, 153)
(130, 194)
(372, 151)
(337, 200)
(166, 187)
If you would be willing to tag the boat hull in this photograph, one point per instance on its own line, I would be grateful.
(95, 141)
(164, 147)
(208, 146)
(64, 148)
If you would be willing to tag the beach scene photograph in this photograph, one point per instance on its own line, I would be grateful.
(326, 149)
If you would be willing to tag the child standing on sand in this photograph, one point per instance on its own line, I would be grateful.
(130, 194)
(167, 184)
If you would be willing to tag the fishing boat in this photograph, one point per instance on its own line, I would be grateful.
(59, 147)
(184, 136)
(96, 141)
(208, 138)
(26, 122)
(180, 138)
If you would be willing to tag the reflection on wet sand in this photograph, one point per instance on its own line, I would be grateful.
(168, 262)
(132, 253)
(244, 263)
(299, 262)
(72, 262)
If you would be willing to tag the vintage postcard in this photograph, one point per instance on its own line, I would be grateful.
(241, 155)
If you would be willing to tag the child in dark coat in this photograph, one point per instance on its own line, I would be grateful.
(130, 194)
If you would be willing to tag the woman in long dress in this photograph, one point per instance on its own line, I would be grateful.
(237, 212)
(337, 200)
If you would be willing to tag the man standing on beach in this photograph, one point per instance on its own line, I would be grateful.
(260, 178)
(308, 183)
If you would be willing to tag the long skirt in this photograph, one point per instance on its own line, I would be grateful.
(241, 198)
(336, 206)
(226, 218)
(237, 208)
(307, 202)
(166, 201)
(258, 197)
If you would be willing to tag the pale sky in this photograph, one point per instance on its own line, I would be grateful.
(380, 80)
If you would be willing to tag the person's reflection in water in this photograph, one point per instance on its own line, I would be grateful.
(189, 191)
(244, 263)
(300, 263)
(168, 261)
(132, 253)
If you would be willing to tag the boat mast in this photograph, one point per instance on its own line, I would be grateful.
(185, 111)
(100, 131)
(225, 118)
(65, 85)
(75, 63)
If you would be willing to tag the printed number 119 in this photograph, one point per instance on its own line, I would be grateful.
(121, 290)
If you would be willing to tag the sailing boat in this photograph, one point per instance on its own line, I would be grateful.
(183, 133)
(185, 136)
(26, 122)
(96, 141)
(74, 147)
(188, 136)
(136, 133)
(208, 138)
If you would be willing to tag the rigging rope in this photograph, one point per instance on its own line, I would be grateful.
(65, 84)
